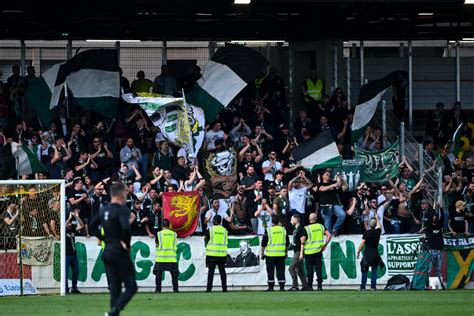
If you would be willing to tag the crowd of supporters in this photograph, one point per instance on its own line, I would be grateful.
(91, 153)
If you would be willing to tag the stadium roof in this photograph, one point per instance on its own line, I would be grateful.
(223, 20)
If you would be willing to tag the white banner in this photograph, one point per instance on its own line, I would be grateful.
(12, 287)
(341, 267)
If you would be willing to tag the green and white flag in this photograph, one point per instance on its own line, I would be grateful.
(229, 71)
(367, 104)
(243, 255)
(92, 76)
(378, 164)
(181, 125)
(319, 152)
(27, 162)
(149, 102)
(352, 172)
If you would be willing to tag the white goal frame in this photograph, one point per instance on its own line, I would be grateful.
(62, 196)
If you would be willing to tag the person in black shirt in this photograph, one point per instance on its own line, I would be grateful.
(354, 220)
(79, 197)
(371, 258)
(329, 202)
(34, 210)
(432, 226)
(101, 154)
(114, 219)
(140, 222)
(100, 198)
(74, 224)
(179, 172)
(10, 225)
(84, 165)
(457, 219)
(131, 197)
(155, 223)
(297, 266)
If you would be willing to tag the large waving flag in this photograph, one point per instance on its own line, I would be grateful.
(182, 210)
(92, 76)
(27, 162)
(181, 123)
(230, 69)
(369, 98)
(318, 153)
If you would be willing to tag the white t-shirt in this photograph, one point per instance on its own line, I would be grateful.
(222, 212)
(276, 167)
(211, 137)
(297, 199)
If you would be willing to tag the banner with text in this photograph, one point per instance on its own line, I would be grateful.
(245, 269)
(378, 164)
(340, 265)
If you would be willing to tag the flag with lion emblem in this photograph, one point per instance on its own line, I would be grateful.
(182, 210)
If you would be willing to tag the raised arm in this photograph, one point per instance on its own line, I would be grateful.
(242, 152)
(259, 156)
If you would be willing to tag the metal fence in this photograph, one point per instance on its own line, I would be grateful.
(412, 150)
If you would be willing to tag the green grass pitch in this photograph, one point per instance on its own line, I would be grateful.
(334, 302)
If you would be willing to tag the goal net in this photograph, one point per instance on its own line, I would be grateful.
(32, 237)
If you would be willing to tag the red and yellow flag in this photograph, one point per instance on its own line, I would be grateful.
(182, 210)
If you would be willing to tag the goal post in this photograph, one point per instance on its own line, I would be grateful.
(31, 237)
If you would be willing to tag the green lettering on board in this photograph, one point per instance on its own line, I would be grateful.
(346, 261)
(143, 265)
(184, 250)
(99, 267)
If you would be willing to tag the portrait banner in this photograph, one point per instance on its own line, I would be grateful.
(243, 255)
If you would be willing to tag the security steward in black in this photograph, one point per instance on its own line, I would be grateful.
(114, 218)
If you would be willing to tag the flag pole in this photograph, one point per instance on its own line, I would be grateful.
(187, 120)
